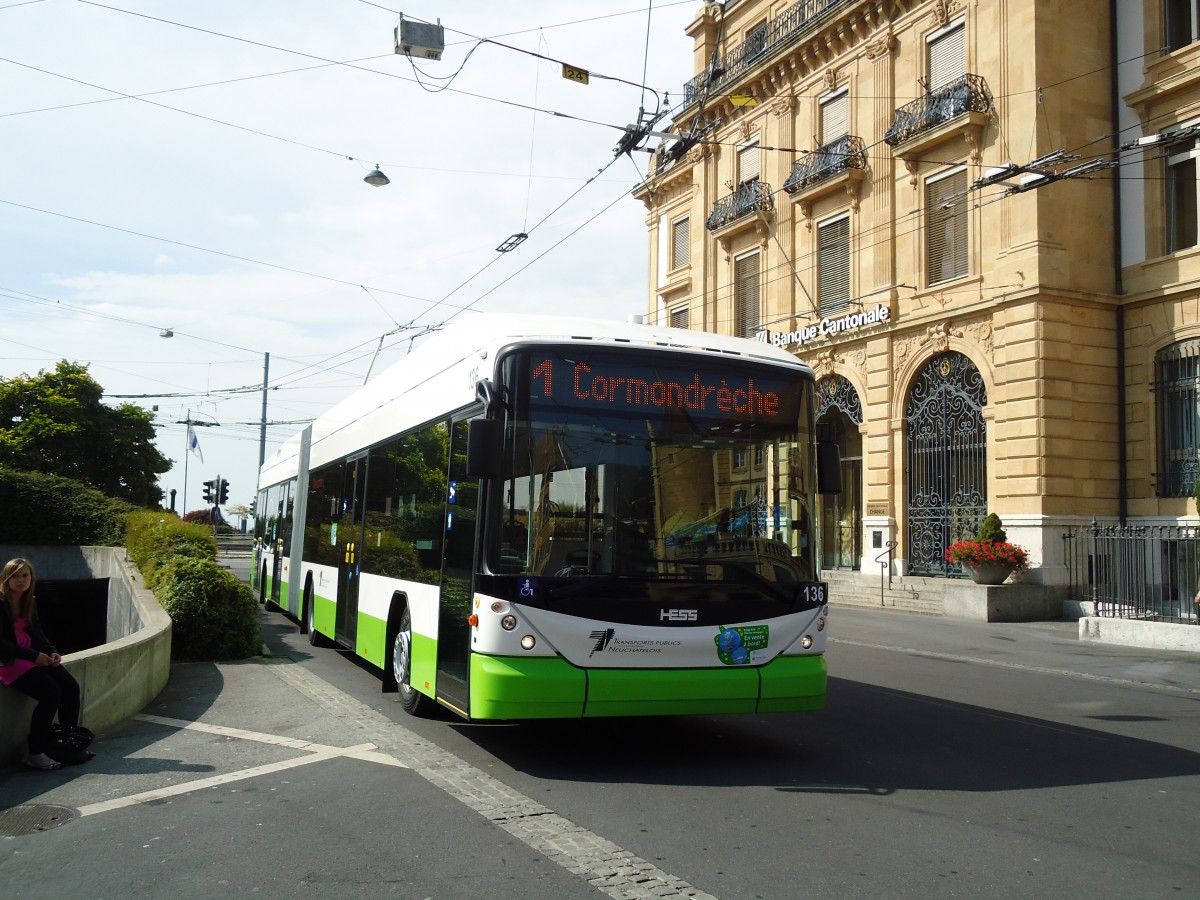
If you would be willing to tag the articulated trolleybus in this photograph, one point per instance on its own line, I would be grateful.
(536, 517)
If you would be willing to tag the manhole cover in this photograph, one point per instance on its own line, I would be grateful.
(32, 819)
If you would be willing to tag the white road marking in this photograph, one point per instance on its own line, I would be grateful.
(314, 752)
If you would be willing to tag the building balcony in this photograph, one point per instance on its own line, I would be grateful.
(754, 196)
(847, 152)
(780, 32)
(967, 94)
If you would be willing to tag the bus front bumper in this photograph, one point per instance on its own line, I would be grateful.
(509, 687)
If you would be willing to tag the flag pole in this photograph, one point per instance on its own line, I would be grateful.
(187, 452)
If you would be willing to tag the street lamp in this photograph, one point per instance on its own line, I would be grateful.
(376, 178)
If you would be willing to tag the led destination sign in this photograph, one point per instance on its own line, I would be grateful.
(630, 384)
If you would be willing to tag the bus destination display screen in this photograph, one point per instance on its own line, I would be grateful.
(630, 383)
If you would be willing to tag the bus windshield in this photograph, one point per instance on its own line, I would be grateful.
(654, 466)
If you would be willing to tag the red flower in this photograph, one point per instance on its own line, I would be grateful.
(982, 553)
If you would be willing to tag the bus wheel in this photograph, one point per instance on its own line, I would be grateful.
(410, 698)
(314, 637)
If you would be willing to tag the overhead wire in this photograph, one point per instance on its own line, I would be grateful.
(265, 134)
(322, 59)
(439, 303)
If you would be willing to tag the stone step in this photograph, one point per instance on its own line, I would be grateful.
(920, 596)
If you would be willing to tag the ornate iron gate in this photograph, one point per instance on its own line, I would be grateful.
(839, 409)
(946, 460)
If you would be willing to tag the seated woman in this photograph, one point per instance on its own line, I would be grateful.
(29, 662)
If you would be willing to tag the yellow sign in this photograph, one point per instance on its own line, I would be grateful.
(742, 100)
(572, 74)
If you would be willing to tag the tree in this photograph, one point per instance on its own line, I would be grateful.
(55, 423)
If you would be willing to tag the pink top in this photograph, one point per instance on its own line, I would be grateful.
(18, 667)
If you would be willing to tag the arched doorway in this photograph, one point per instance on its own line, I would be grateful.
(945, 460)
(839, 415)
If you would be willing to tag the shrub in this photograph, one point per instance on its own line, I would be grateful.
(990, 547)
(155, 538)
(213, 614)
(54, 511)
(992, 530)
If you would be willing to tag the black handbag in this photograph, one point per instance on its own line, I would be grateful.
(69, 744)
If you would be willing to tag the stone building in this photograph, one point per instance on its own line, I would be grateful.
(921, 200)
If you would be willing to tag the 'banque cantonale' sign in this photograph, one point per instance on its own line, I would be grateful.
(826, 326)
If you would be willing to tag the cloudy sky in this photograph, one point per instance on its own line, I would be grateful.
(197, 169)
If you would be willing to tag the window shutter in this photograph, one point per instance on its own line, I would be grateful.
(681, 243)
(835, 118)
(748, 162)
(679, 317)
(1181, 200)
(745, 300)
(1180, 25)
(833, 266)
(947, 57)
(946, 247)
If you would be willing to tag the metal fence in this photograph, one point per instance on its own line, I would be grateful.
(1136, 571)
(784, 30)
(967, 93)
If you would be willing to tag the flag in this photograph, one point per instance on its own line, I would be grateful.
(194, 443)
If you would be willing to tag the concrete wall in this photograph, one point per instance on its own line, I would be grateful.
(1002, 603)
(1137, 633)
(118, 678)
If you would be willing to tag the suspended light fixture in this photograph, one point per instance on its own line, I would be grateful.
(377, 178)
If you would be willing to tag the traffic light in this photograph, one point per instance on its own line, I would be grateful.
(223, 492)
(210, 490)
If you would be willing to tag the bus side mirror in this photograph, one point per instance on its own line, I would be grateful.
(829, 468)
(483, 446)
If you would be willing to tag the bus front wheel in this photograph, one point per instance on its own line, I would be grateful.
(410, 698)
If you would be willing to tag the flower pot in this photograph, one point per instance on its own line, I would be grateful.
(988, 573)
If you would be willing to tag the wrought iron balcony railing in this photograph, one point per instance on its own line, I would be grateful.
(780, 31)
(968, 93)
(847, 152)
(750, 197)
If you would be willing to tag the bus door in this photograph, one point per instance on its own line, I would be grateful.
(458, 566)
(349, 539)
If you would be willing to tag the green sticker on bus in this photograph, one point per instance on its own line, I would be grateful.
(739, 645)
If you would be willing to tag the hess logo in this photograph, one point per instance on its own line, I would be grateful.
(677, 615)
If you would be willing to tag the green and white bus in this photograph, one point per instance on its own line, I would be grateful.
(538, 517)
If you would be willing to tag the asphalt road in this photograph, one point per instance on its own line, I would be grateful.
(954, 759)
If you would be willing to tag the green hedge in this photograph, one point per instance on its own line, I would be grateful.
(213, 614)
(155, 538)
(54, 511)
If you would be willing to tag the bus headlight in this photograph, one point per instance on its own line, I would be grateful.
(821, 624)
(509, 622)
(499, 606)
(528, 641)
(806, 642)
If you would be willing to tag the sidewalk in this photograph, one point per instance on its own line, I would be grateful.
(214, 724)
(259, 775)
